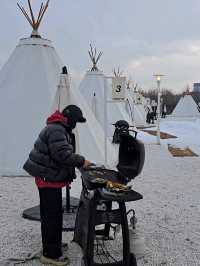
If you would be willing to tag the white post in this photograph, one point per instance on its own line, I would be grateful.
(133, 110)
(59, 98)
(158, 79)
(158, 112)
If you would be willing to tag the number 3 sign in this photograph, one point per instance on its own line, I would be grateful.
(118, 88)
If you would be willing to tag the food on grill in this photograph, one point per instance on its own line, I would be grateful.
(117, 187)
(99, 180)
(109, 185)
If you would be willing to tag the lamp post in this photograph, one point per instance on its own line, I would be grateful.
(158, 80)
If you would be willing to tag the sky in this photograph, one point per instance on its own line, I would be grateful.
(142, 37)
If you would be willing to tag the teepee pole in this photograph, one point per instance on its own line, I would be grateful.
(40, 12)
(40, 16)
(35, 23)
(25, 14)
(31, 11)
(43, 12)
(59, 98)
(105, 124)
(94, 56)
(117, 73)
(98, 57)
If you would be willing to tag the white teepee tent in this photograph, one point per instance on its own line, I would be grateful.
(186, 107)
(136, 106)
(94, 82)
(90, 136)
(28, 84)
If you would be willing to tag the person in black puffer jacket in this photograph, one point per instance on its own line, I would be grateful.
(52, 162)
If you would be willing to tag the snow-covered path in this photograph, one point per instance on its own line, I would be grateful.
(168, 216)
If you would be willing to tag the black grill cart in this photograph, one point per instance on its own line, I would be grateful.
(103, 206)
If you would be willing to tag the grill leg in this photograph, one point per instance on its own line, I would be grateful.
(125, 235)
(90, 207)
(83, 262)
(133, 261)
(107, 226)
(89, 256)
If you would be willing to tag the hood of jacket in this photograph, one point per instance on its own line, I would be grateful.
(57, 117)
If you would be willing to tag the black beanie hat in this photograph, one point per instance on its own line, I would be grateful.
(74, 113)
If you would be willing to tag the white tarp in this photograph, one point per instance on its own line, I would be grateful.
(28, 83)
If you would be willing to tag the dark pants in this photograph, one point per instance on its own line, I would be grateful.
(51, 221)
(150, 118)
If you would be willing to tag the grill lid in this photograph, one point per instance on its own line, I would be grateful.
(131, 156)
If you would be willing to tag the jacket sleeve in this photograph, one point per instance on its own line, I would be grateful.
(61, 151)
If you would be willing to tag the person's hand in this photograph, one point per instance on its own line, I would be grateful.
(86, 164)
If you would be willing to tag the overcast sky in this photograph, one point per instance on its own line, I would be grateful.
(143, 37)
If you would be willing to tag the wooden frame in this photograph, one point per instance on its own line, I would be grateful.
(31, 18)
(94, 57)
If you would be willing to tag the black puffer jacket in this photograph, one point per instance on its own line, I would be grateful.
(53, 156)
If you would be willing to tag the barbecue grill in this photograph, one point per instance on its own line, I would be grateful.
(101, 189)
(122, 127)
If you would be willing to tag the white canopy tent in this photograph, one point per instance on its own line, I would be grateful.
(186, 107)
(28, 84)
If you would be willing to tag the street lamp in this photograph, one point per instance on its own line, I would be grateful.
(158, 79)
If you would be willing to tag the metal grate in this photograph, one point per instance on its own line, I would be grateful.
(105, 250)
(102, 252)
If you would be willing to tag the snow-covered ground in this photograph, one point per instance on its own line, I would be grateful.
(168, 216)
(187, 133)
